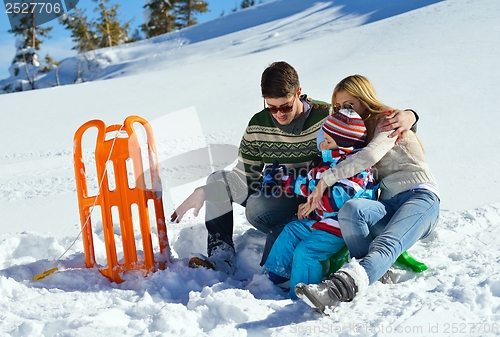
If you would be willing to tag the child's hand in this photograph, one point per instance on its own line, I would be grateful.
(314, 200)
(303, 211)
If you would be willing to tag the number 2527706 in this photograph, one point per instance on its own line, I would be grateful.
(33, 8)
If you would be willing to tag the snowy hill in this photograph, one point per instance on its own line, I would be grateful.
(438, 58)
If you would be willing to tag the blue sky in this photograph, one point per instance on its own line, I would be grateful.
(60, 44)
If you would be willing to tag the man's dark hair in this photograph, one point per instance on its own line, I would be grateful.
(279, 80)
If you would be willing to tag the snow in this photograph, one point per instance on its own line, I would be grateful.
(201, 86)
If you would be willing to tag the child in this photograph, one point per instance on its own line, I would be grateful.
(297, 253)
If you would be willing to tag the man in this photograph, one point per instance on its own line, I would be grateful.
(285, 131)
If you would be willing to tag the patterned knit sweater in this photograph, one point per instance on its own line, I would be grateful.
(265, 141)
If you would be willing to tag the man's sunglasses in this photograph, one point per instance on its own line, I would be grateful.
(285, 108)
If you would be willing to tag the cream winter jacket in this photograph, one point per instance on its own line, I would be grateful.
(397, 167)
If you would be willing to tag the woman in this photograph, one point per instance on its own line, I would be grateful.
(376, 232)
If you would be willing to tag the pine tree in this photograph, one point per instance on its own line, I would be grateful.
(27, 43)
(51, 64)
(247, 3)
(48, 64)
(110, 31)
(185, 11)
(30, 34)
(82, 31)
(136, 36)
(160, 19)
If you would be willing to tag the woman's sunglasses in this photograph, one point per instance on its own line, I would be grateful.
(337, 107)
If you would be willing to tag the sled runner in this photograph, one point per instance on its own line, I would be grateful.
(342, 256)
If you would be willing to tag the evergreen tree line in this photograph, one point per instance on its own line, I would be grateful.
(163, 16)
(170, 15)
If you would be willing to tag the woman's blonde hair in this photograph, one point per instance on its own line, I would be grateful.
(361, 88)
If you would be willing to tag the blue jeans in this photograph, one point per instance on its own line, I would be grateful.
(298, 251)
(377, 232)
(262, 212)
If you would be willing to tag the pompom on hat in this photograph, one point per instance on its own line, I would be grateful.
(346, 127)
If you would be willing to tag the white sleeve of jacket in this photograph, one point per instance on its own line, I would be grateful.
(367, 157)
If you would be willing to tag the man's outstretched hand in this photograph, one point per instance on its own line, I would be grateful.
(194, 201)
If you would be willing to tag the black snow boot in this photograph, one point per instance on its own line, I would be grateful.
(388, 278)
(340, 287)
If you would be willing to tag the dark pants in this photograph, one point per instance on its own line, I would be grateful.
(268, 214)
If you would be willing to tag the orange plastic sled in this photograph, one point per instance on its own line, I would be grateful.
(122, 149)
